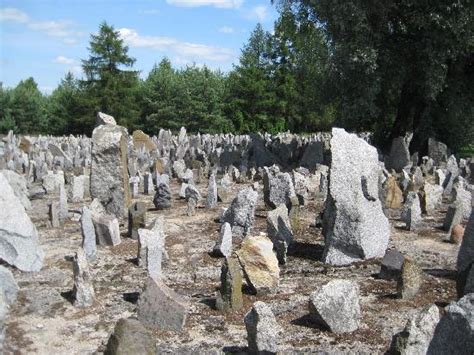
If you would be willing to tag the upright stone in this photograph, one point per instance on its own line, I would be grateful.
(54, 214)
(8, 286)
(211, 200)
(88, 234)
(151, 244)
(392, 193)
(241, 213)
(107, 229)
(465, 261)
(83, 289)
(230, 293)
(354, 225)
(148, 187)
(162, 198)
(399, 157)
(411, 213)
(410, 280)
(63, 206)
(262, 329)
(136, 219)
(223, 246)
(279, 231)
(278, 189)
(18, 235)
(103, 118)
(130, 337)
(109, 172)
(161, 307)
(391, 266)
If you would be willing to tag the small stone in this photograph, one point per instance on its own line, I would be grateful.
(223, 245)
(262, 329)
(54, 214)
(393, 193)
(211, 200)
(89, 243)
(465, 261)
(107, 230)
(279, 231)
(151, 246)
(456, 234)
(418, 333)
(410, 281)
(411, 212)
(8, 286)
(136, 219)
(160, 306)
(148, 187)
(336, 306)
(103, 118)
(83, 289)
(162, 199)
(391, 266)
(230, 295)
(241, 213)
(130, 337)
(259, 264)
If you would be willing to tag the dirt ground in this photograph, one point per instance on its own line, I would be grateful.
(44, 321)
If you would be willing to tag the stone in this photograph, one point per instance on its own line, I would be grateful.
(107, 229)
(431, 197)
(354, 225)
(83, 289)
(78, 187)
(462, 197)
(438, 151)
(162, 198)
(223, 246)
(259, 264)
(454, 333)
(54, 214)
(241, 213)
(301, 187)
(182, 190)
(313, 155)
(52, 181)
(279, 231)
(211, 200)
(134, 182)
(392, 192)
(8, 286)
(142, 140)
(417, 334)
(399, 156)
(411, 212)
(230, 293)
(465, 259)
(391, 266)
(103, 118)
(148, 187)
(136, 219)
(454, 216)
(440, 177)
(161, 307)
(63, 206)
(109, 181)
(88, 234)
(410, 280)
(457, 233)
(278, 189)
(262, 329)
(151, 244)
(18, 184)
(336, 306)
(130, 337)
(452, 172)
(179, 168)
(18, 235)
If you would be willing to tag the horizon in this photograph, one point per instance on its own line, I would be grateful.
(47, 40)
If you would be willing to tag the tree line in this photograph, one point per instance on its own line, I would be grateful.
(388, 67)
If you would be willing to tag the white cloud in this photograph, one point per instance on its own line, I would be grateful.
(222, 4)
(226, 29)
(149, 12)
(259, 12)
(189, 51)
(14, 15)
(53, 28)
(60, 59)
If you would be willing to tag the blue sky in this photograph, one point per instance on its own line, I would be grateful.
(47, 38)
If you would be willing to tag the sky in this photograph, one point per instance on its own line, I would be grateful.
(47, 38)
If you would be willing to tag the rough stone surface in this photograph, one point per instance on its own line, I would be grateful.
(89, 243)
(417, 334)
(278, 189)
(262, 329)
(107, 230)
(103, 118)
(399, 156)
(279, 231)
(241, 213)
(162, 199)
(411, 212)
(465, 256)
(109, 169)
(393, 193)
(136, 219)
(391, 266)
(410, 280)
(19, 245)
(260, 264)
(230, 293)
(336, 306)
(430, 197)
(211, 200)
(151, 247)
(161, 307)
(354, 225)
(454, 333)
(8, 286)
(223, 246)
(83, 289)
(130, 337)
(18, 184)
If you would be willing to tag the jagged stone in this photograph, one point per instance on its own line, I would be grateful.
(391, 266)
(103, 118)
(430, 197)
(130, 337)
(279, 231)
(83, 288)
(465, 259)
(162, 199)
(336, 306)
(136, 219)
(399, 157)
(354, 225)
(211, 200)
(223, 246)
(278, 189)
(88, 234)
(393, 193)
(230, 294)
(18, 184)
(151, 246)
(54, 214)
(8, 286)
(262, 329)
(411, 212)
(241, 213)
(107, 229)
(410, 280)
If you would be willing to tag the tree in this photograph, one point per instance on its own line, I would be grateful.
(7, 122)
(113, 89)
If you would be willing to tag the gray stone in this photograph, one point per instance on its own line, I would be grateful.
(63, 206)
(452, 172)
(103, 118)
(182, 190)
(151, 246)
(399, 157)
(18, 184)
(279, 231)
(410, 281)
(454, 333)
(136, 219)
(148, 187)
(462, 197)
(431, 197)
(313, 155)
(354, 225)
(83, 290)
(465, 260)
(391, 266)
(417, 334)
(411, 211)
(130, 337)
(134, 182)
(437, 151)
(241, 213)
(223, 246)
(211, 200)
(262, 329)
(230, 293)
(107, 229)
(54, 214)
(8, 286)
(161, 307)
(179, 167)
(336, 306)
(88, 234)
(278, 189)
(52, 181)
(301, 187)
(18, 236)
(109, 169)
(454, 216)
(78, 187)
(162, 199)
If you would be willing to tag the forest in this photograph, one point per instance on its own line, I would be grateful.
(388, 67)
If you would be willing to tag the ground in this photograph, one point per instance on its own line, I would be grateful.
(44, 321)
